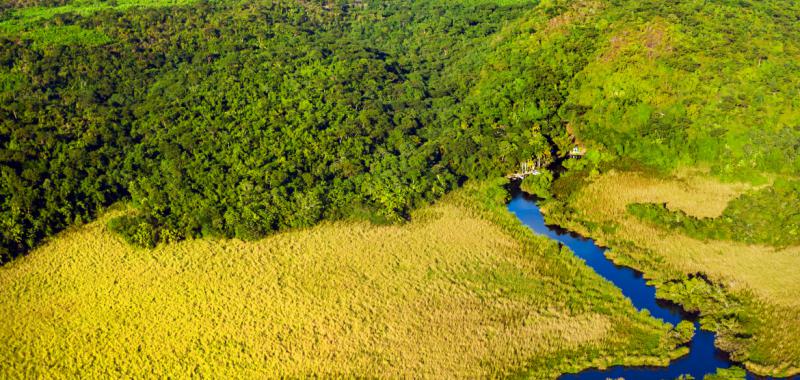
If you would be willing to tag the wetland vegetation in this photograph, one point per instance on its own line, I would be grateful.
(461, 291)
(186, 148)
(743, 291)
(744, 219)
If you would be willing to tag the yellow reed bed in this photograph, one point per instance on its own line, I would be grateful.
(459, 291)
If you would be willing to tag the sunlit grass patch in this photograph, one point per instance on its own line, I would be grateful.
(463, 290)
(67, 35)
(32, 22)
(763, 216)
(85, 7)
(606, 200)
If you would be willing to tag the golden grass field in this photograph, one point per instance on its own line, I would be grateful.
(767, 274)
(456, 293)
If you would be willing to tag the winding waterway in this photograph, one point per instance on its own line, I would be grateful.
(703, 357)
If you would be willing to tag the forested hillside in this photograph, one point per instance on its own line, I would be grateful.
(330, 118)
(712, 82)
(239, 118)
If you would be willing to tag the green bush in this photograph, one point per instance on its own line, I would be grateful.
(538, 185)
(765, 216)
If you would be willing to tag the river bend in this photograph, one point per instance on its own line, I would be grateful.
(703, 357)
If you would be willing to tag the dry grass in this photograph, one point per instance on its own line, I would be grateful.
(652, 38)
(578, 12)
(449, 295)
(767, 273)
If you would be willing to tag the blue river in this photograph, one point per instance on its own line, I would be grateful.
(703, 357)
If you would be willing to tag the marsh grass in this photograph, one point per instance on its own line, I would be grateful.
(463, 290)
(753, 301)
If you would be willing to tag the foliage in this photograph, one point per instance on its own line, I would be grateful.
(590, 162)
(685, 331)
(732, 373)
(51, 22)
(240, 119)
(539, 184)
(712, 82)
(764, 216)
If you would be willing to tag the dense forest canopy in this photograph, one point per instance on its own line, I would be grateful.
(237, 119)
(240, 118)
(696, 81)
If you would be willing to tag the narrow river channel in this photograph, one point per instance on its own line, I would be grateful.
(703, 357)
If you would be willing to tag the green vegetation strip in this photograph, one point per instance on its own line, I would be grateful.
(54, 25)
(766, 216)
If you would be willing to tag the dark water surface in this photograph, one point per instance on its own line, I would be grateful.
(703, 357)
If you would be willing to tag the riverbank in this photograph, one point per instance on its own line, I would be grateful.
(463, 290)
(745, 292)
(702, 360)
